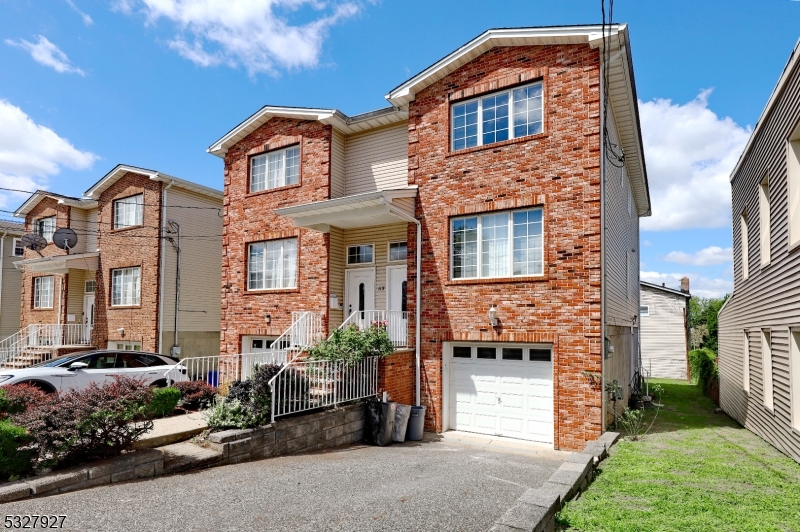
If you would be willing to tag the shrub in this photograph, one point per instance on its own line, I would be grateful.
(164, 401)
(94, 422)
(632, 421)
(15, 460)
(17, 398)
(229, 414)
(351, 344)
(196, 394)
(703, 366)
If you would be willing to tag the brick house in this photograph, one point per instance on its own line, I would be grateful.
(116, 287)
(475, 205)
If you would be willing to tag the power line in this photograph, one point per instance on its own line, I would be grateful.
(613, 152)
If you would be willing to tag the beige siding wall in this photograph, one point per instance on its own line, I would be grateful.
(337, 164)
(201, 266)
(76, 288)
(79, 222)
(663, 334)
(12, 290)
(380, 236)
(91, 231)
(622, 269)
(336, 272)
(770, 297)
(377, 160)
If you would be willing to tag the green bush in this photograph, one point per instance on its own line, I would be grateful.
(164, 401)
(230, 414)
(14, 460)
(703, 366)
(351, 344)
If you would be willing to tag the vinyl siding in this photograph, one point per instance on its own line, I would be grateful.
(663, 334)
(91, 231)
(336, 273)
(76, 287)
(770, 297)
(377, 160)
(201, 265)
(79, 222)
(12, 290)
(337, 164)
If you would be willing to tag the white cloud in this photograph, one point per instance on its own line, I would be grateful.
(254, 34)
(709, 256)
(647, 243)
(86, 18)
(690, 153)
(47, 54)
(30, 153)
(699, 285)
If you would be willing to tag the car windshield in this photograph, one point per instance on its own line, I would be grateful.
(58, 361)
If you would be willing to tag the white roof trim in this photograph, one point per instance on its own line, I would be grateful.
(333, 117)
(121, 169)
(60, 263)
(38, 196)
(672, 291)
(776, 93)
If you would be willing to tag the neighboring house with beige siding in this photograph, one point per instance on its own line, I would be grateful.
(10, 278)
(147, 263)
(664, 329)
(759, 325)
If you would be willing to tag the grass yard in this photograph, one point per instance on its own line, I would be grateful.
(695, 471)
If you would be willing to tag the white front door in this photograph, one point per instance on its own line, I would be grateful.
(397, 283)
(88, 316)
(359, 290)
(501, 390)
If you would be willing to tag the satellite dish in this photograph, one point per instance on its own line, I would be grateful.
(34, 242)
(65, 238)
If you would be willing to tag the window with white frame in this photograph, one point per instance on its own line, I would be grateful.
(503, 244)
(764, 221)
(746, 362)
(126, 286)
(743, 229)
(497, 117)
(128, 212)
(794, 377)
(275, 169)
(19, 249)
(766, 367)
(43, 289)
(793, 175)
(398, 251)
(90, 287)
(644, 310)
(272, 265)
(361, 254)
(45, 227)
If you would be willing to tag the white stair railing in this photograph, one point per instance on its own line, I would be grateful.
(38, 337)
(395, 321)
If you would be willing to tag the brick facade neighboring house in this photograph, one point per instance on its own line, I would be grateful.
(493, 155)
(116, 288)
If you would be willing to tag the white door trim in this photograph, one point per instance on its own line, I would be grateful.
(389, 284)
(347, 273)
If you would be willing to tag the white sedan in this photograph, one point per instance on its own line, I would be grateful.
(77, 370)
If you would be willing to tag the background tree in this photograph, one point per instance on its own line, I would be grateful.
(703, 321)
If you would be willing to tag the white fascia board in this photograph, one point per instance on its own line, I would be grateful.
(111, 178)
(36, 197)
(776, 93)
(188, 185)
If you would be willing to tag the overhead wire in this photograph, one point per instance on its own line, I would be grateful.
(614, 153)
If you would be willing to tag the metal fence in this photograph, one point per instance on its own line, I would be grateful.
(396, 322)
(308, 384)
(38, 337)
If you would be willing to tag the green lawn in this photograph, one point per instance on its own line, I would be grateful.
(695, 471)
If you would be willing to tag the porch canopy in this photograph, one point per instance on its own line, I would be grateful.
(359, 210)
(60, 263)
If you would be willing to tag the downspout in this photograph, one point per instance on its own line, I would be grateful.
(602, 248)
(177, 247)
(417, 311)
(2, 261)
(162, 266)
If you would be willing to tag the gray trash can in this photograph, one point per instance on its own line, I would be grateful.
(401, 422)
(416, 423)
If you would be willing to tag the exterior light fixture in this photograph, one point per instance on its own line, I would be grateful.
(268, 318)
(121, 331)
(493, 316)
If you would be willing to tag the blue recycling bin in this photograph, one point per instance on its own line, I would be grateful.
(213, 378)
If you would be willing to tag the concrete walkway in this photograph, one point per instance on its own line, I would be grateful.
(457, 482)
(172, 430)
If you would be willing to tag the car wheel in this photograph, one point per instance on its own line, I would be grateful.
(46, 388)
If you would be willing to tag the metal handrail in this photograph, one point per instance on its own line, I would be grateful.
(396, 322)
(49, 336)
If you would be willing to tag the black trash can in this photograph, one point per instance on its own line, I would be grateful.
(379, 422)
(416, 424)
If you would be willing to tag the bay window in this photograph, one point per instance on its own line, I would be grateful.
(497, 117)
(503, 244)
(272, 265)
(275, 169)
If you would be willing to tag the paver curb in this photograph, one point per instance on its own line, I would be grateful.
(535, 510)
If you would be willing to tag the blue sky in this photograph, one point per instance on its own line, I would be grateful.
(88, 84)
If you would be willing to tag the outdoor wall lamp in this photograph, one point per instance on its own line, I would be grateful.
(268, 318)
(493, 316)
(121, 331)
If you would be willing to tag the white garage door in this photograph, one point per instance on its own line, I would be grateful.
(502, 390)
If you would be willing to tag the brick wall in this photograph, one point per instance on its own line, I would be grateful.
(558, 170)
(249, 218)
(396, 377)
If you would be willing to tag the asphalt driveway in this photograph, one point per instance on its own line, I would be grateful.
(457, 482)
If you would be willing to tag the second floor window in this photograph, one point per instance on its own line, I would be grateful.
(19, 249)
(128, 211)
(45, 227)
(275, 169)
(126, 287)
(505, 244)
(43, 288)
(272, 265)
(497, 117)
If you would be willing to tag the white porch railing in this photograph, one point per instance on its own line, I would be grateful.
(42, 338)
(396, 323)
(308, 384)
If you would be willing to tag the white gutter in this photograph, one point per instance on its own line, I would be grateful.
(603, 67)
(162, 267)
(417, 312)
(2, 260)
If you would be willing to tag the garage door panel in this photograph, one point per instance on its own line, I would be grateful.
(502, 397)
